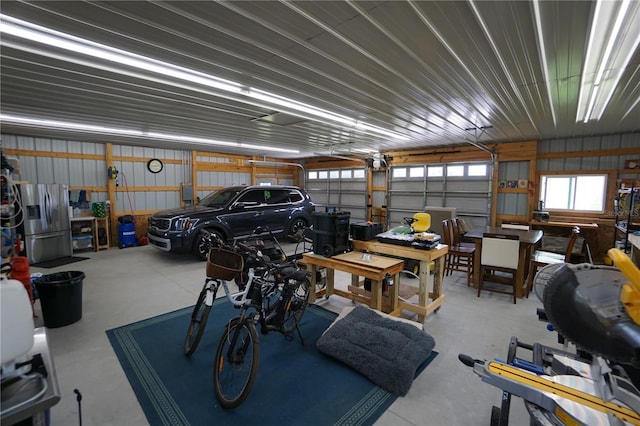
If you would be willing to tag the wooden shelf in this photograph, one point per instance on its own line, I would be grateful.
(83, 233)
(628, 215)
(513, 190)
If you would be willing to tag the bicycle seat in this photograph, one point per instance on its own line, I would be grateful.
(289, 271)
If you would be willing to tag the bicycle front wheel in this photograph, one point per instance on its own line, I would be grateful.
(236, 363)
(198, 322)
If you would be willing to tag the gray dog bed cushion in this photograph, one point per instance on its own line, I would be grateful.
(386, 351)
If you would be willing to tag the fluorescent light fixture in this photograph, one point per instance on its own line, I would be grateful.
(241, 93)
(104, 130)
(60, 40)
(543, 55)
(613, 41)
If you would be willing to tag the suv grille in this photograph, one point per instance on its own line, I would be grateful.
(161, 224)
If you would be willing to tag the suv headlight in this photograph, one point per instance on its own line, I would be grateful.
(183, 224)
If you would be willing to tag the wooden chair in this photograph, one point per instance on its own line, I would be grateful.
(459, 258)
(500, 253)
(542, 258)
(459, 228)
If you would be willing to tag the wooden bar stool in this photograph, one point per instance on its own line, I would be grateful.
(460, 257)
(543, 258)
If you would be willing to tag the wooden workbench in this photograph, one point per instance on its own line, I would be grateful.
(376, 268)
(425, 257)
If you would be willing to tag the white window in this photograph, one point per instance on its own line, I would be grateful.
(416, 172)
(477, 170)
(313, 175)
(334, 174)
(435, 171)
(345, 174)
(455, 170)
(399, 172)
(574, 192)
(358, 174)
(323, 174)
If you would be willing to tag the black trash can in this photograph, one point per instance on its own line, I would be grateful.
(60, 297)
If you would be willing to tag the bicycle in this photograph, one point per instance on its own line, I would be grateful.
(275, 296)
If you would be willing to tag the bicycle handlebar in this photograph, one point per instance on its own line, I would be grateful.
(250, 253)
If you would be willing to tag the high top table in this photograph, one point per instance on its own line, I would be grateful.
(528, 239)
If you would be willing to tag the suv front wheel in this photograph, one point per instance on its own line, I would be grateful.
(295, 230)
(201, 245)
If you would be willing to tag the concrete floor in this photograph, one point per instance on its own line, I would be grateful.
(127, 285)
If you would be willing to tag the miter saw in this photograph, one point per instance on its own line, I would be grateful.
(598, 309)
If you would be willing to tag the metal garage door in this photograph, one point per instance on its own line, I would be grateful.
(344, 188)
(465, 186)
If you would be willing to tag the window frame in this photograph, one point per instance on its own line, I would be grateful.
(575, 175)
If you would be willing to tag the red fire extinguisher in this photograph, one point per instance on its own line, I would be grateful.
(18, 245)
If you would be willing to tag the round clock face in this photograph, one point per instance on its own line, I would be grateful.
(154, 165)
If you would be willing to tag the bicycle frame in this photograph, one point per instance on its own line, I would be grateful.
(212, 290)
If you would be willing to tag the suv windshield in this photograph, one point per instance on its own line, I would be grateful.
(219, 198)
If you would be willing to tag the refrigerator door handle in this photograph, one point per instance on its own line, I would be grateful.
(47, 207)
(46, 236)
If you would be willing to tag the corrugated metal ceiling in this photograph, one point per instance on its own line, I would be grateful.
(426, 72)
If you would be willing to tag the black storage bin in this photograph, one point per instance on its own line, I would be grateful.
(331, 222)
(365, 231)
(60, 297)
(329, 243)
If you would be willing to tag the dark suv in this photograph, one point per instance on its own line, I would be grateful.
(232, 212)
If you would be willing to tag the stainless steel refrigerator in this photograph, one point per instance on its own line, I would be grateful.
(46, 226)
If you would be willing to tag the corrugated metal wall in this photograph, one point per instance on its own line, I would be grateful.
(134, 174)
(512, 203)
(594, 143)
(138, 189)
(469, 196)
(207, 178)
(53, 169)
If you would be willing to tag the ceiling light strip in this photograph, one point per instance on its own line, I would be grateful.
(607, 44)
(543, 56)
(630, 52)
(49, 37)
(67, 125)
(43, 35)
(604, 64)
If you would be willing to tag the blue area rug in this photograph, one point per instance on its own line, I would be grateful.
(295, 384)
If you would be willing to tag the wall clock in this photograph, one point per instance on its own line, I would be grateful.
(154, 165)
